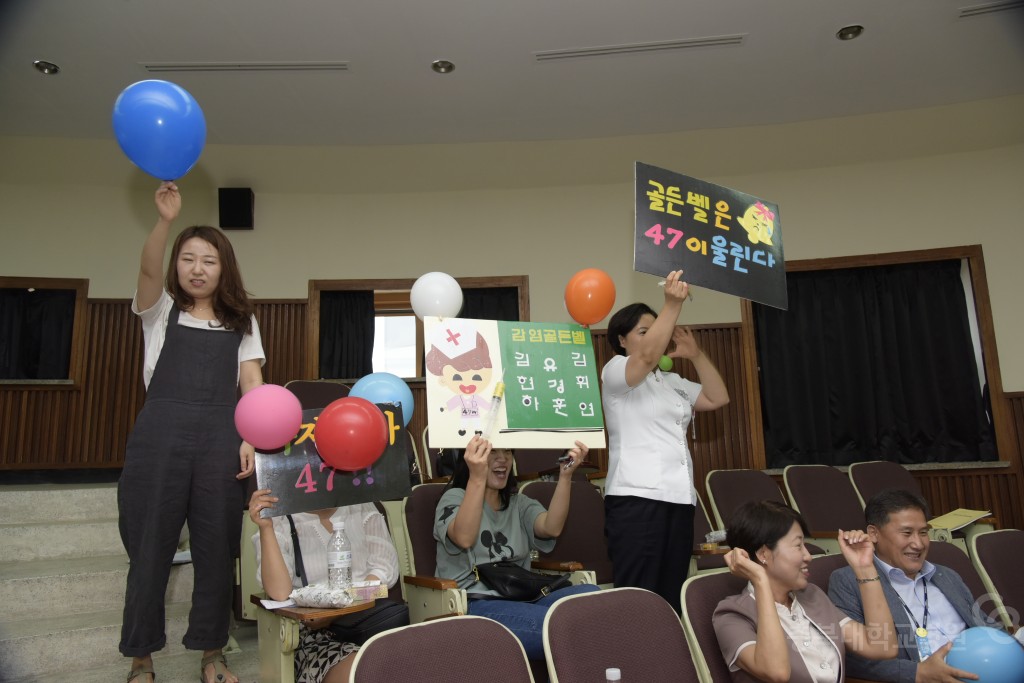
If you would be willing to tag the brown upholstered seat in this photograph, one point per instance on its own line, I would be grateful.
(582, 538)
(630, 629)
(998, 557)
(728, 489)
(700, 596)
(870, 478)
(463, 648)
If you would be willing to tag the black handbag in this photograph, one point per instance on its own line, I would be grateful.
(512, 582)
(357, 627)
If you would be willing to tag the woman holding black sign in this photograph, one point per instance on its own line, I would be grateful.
(649, 495)
(481, 519)
(320, 657)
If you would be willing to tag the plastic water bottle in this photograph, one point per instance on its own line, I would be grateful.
(612, 675)
(339, 559)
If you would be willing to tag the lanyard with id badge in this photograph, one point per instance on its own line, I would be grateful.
(924, 649)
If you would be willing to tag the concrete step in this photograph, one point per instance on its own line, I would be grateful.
(176, 667)
(73, 586)
(30, 541)
(57, 502)
(57, 643)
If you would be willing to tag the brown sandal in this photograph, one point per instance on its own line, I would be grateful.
(139, 671)
(220, 668)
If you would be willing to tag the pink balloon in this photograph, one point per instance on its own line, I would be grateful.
(268, 417)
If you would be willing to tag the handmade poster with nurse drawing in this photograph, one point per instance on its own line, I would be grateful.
(520, 384)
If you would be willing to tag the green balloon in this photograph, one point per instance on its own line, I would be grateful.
(665, 363)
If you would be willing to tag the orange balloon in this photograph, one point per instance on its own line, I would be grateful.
(589, 296)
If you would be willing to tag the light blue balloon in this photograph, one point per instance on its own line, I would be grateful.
(994, 655)
(160, 127)
(383, 387)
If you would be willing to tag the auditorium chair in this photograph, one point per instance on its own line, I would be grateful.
(998, 557)
(704, 560)
(870, 478)
(430, 596)
(461, 648)
(631, 629)
(582, 539)
(701, 595)
(827, 501)
(728, 489)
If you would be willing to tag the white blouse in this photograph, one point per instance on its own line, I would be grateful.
(373, 551)
(648, 455)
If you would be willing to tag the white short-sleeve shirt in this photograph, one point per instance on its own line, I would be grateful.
(154, 332)
(647, 451)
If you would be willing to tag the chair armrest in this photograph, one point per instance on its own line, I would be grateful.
(433, 582)
(556, 566)
(430, 597)
(600, 474)
(438, 480)
(720, 550)
(310, 616)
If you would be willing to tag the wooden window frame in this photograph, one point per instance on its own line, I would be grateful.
(76, 364)
(390, 290)
(1001, 418)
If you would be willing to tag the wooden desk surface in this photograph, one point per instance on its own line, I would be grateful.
(306, 615)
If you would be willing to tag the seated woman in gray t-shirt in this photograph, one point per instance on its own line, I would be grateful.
(481, 518)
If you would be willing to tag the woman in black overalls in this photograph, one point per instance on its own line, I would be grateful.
(184, 457)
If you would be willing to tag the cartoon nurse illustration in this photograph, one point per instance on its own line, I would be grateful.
(759, 222)
(460, 359)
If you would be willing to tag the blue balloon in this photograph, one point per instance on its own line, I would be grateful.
(160, 127)
(383, 387)
(994, 655)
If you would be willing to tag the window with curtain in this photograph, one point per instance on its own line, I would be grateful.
(349, 311)
(346, 334)
(872, 363)
(42, 323)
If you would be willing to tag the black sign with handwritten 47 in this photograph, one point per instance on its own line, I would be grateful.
(302, 481)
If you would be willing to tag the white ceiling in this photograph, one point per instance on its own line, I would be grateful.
(787, 66)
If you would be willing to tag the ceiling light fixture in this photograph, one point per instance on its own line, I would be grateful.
(442, 66)
(849, 32)
(48, 68)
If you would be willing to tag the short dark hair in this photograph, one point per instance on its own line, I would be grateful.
(762, 523)
(624, 320)
(884, 503)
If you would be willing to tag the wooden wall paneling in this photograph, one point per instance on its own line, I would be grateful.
(283, 327)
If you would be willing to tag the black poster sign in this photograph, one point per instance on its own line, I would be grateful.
(303, 481)
(723, 239)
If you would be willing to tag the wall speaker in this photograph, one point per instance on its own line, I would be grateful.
(237, 205)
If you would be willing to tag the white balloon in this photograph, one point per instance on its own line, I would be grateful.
(436, 294)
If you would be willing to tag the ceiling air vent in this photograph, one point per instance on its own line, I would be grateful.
(660, 46)
(167, 67)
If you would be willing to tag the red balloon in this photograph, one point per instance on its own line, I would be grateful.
(589, 296)
(351, 433)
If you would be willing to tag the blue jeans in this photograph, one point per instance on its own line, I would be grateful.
(525, 619)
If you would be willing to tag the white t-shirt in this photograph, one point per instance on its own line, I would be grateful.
(647, 451)
(154, 332)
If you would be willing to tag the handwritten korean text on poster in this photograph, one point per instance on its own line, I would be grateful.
(303, 481)
(723, 239)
